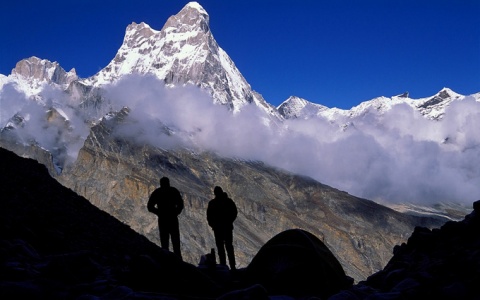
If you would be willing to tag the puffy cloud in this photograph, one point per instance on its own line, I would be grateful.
(50, 122)
(11, 101)
(398, 156)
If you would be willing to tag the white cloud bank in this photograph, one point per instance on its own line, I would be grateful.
(397, 157)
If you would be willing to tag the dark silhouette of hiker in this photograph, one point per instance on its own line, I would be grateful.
(221, 213)
(167, 203)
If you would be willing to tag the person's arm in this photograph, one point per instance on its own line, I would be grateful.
(180, 204)
(151, 204)
(232, 210)
(209, 215)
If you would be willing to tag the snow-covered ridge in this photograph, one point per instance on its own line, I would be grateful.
(431, 107)
(296, 107)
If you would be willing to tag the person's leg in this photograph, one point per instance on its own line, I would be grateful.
(175, 234)
(219, 241)
(164, 235)
(229, 248)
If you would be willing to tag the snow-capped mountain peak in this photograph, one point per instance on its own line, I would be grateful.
(136, 34)
(182, 52)
(192, 16)
(43, 70)
(296, 107)
(30, 75)
(432, 107)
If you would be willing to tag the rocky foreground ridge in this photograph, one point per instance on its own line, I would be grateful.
(54, 244)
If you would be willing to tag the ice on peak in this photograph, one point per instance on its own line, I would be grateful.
(446, 93)
(196, 6)
(183, 51)
(301, 102)
(296, 107)
(134, 31)
(404, 95)
(138, 26)
(191, 15)
(33, 60)
(296, 99)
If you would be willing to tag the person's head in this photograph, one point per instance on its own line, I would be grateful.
(164, 182)
(217, 191)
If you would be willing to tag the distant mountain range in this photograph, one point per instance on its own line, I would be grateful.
(108, 138)
(431, 107)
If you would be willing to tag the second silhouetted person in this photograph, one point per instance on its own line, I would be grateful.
(167, 203)
(221, 213)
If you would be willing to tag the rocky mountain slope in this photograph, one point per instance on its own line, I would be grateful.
(54, 244)
(118, 175)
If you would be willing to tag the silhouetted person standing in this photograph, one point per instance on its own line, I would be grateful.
(221, 213)
(167, 203)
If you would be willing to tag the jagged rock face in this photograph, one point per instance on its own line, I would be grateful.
(43, 70)
(118, 177)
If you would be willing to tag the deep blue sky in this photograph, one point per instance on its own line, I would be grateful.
(336, 53)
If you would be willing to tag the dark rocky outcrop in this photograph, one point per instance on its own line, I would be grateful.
(443, 263)
(55, 245)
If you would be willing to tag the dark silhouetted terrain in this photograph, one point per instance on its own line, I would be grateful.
(54, 244)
